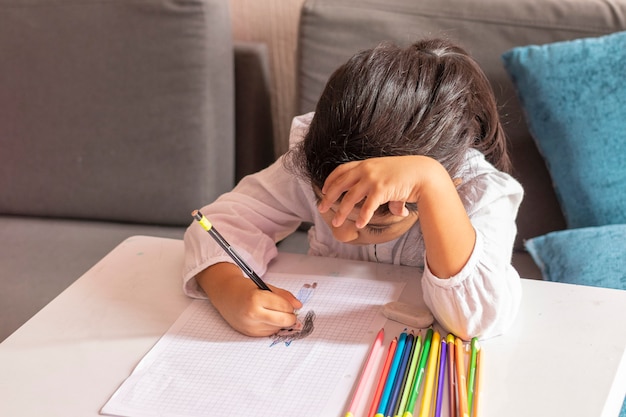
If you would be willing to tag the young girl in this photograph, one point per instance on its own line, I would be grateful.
(402, 162)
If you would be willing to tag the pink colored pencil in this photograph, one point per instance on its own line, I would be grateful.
(365, 375)
(383, 377)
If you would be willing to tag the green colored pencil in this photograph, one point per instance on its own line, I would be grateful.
(419, 375)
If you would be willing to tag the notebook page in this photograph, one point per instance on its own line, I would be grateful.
(203, 367)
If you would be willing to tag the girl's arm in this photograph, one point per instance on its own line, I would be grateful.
(261, 210)
(468, 283)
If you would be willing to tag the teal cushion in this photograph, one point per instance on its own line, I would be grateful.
(574, 97)
(588, 256)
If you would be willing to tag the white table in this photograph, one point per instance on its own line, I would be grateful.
(565, 355)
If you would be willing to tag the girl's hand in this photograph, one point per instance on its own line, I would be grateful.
(248, 309)
(395, 180)
(449, 236)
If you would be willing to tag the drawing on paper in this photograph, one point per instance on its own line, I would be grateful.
(302, 328)
(298, 331)
(306, 292)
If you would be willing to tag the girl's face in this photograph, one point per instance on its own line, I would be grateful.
(380, 229)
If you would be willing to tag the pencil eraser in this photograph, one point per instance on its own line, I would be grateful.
(411, 315)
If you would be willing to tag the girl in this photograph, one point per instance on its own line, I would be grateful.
(402, 162)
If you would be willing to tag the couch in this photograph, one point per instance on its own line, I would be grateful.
(117, 118)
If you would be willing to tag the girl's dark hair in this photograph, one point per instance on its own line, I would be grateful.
(430, 98)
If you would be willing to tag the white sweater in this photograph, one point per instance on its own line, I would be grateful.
(481, 300)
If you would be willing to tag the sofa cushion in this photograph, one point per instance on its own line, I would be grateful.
(574, 97)
(115, 110)
(587, 256)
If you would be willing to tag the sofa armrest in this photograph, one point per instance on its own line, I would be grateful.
(254, 133)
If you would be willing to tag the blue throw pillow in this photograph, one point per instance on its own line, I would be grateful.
(574, 97)
(588, 256)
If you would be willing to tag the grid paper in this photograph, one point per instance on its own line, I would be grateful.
(202, 367)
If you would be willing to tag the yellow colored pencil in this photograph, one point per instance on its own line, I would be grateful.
(431, 370)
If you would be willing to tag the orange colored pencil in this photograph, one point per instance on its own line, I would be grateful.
(461, 384)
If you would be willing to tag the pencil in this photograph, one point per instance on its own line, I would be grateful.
(410, 406)
(417, 344)
(431, 371)
(451, 372)
(442, 377)
(472, 373)
(383, 377)
(364, 379)
(206, 224)
(391, 377)
(461, 386)
(400, 376)
(479, 377)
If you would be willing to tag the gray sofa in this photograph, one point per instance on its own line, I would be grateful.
(119, 117)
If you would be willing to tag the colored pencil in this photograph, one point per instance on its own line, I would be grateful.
(383, 377)
(431, 371)
(478, 387)
(400, 376)
(435, 383)
(442, 377)
(417, 345)
(391, 377)
(451, 376)
(461, 385)
(471, 373)
(365, 375)
(419, 374)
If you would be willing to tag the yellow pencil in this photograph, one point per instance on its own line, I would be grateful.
(431, 370)
(461, 383)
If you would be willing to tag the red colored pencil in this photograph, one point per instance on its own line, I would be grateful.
(451, 375)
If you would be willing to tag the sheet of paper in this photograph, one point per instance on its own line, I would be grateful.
(202, 367)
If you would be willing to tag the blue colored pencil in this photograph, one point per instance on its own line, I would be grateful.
(384, 400)
(399, 380)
